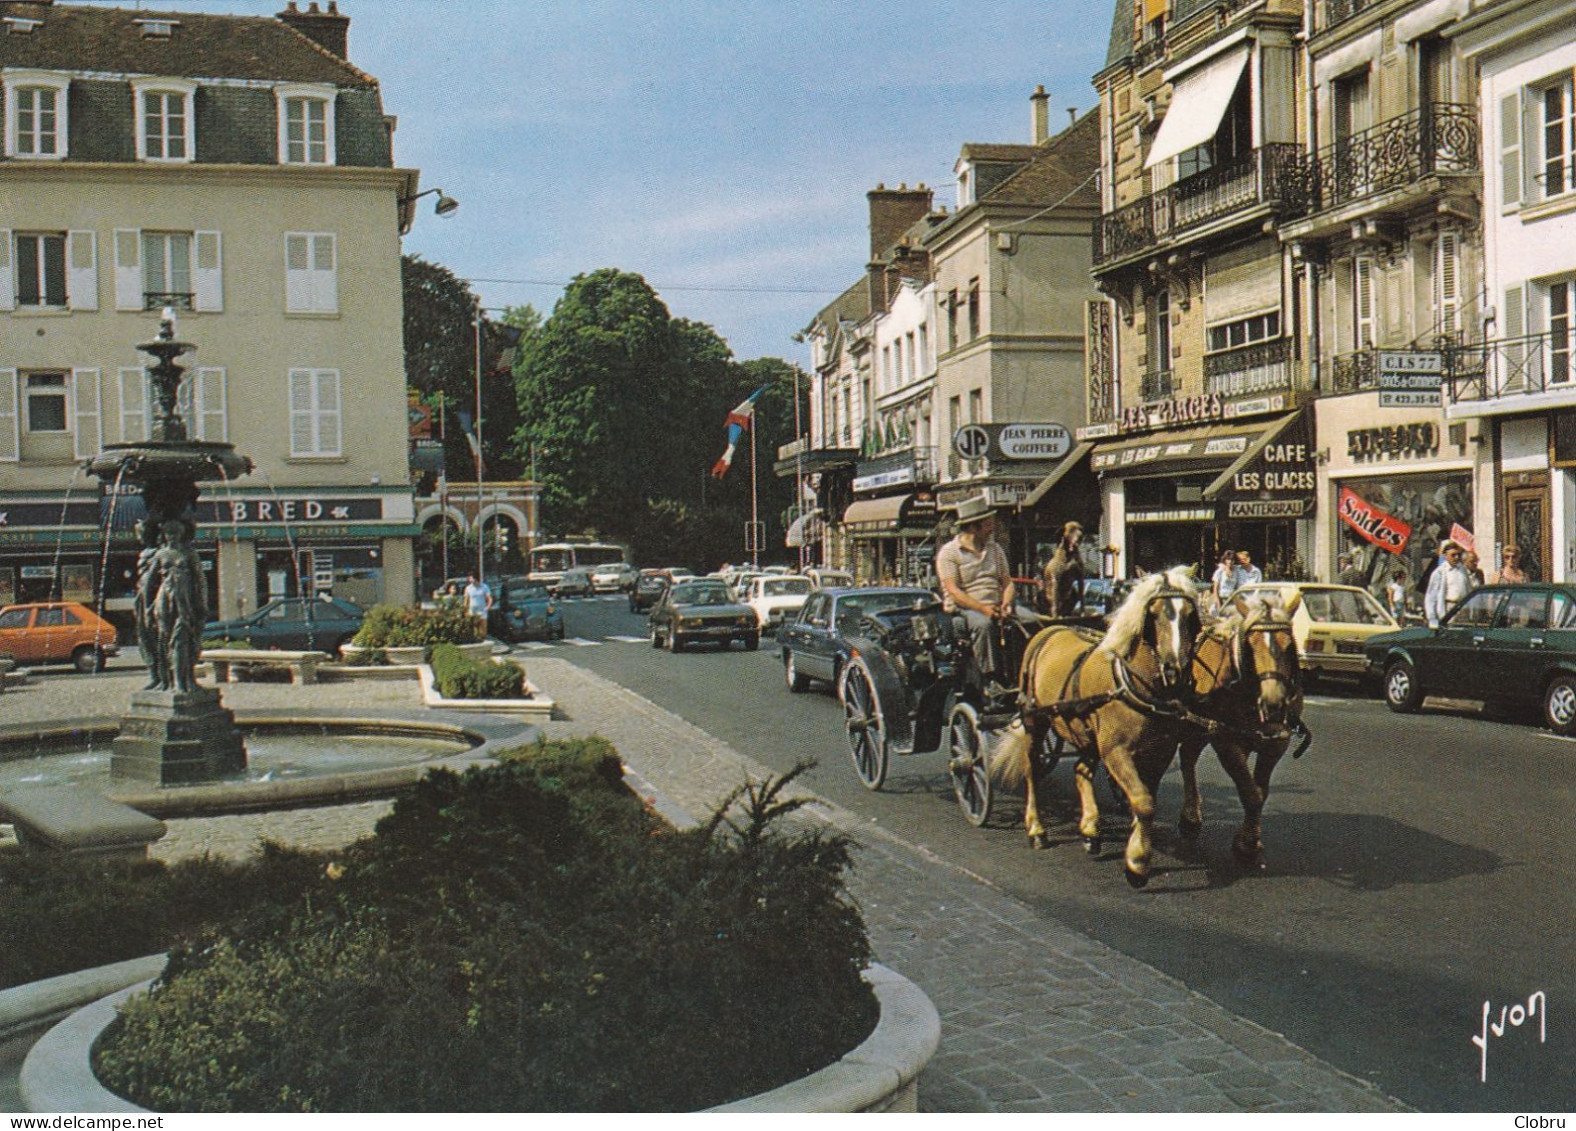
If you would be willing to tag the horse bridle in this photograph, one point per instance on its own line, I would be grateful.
(1239, 657)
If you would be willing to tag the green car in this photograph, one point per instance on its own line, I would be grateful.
(1506, 645)
(696, 612)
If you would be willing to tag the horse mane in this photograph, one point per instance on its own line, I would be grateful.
(1128, 620)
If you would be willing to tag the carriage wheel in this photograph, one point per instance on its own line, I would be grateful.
(867, 733)
(967, 764)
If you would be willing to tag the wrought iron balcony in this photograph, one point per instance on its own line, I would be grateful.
(921, 459)
(1441, 137)
(1510, 367)
(1351, 372)
(1156, 386)
(1255, 368)
(1339, 11)
(158, 300)
(1271, 174)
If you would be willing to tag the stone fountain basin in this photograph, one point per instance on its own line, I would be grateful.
(62, 739)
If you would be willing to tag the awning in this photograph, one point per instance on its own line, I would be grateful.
(1071, 460)
(1190, 450)
(1270, 435)
(804, 530)
(1198, 102)
(891, 515)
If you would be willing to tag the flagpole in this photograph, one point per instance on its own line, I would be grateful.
(481, 527)
(443, 478)
(755, 542)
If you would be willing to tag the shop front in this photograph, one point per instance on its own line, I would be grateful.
(1184, 497)
(893, 539)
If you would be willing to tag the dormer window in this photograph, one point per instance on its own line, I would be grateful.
(156, 29)
(21, 25)
(35, 119)
(165, 127)
(306, 124)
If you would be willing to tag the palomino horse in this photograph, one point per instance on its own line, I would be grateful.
(1116, 699)
(1247, 681)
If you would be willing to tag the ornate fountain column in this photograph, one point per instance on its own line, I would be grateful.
(176, 731)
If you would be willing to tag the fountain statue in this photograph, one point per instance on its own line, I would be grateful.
(176, 732)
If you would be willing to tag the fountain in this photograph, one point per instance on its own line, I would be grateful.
(176, 732)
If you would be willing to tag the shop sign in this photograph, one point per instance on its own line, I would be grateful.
(35, 572)
(895, 478)
(1174, 514)
(1418, 440)
(419, 415)
(919, 512)
(1268, 508)
(1379, 527)
(1009, 494)
(1258, 406)
(1197, 409)
(1410, 378)
(1098, 431)
(307, 509)
(1034, 441)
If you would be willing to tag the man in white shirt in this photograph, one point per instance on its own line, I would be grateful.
(975, 580)
(1449, 584)
(1247, 572)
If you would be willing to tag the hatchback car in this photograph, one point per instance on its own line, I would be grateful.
(616, 577)
(776, 598)
(815, 645)
(1504, 645)
(57, 632)
(694, 612)
(574, 583)
(293, 624)
(648, 589)
(1331, 623)
(524, 610)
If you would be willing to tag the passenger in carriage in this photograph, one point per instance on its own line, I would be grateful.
(976, 582)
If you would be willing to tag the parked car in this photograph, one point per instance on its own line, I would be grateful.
(776, 599)
(1332, 623)
(293, 624)
(740, 585)
(615, 577)
(574, 583)
(681, 573)
(57, 632)
(830, 578)
(524, 610)
(648, 589)
(1505, 645)
(815, 644)
(694, 612)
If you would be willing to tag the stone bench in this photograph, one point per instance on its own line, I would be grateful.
(302, 665)
(71, 819)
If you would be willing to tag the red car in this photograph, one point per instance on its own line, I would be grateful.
(57, 632)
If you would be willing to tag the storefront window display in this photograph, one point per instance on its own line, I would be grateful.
(1426, 506)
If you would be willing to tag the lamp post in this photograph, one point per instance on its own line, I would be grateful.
(481, 541)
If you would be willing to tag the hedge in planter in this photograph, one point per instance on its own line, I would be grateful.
(400, 626)
(460, 677)
(526, 937)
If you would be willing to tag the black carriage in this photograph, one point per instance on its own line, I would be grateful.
(912, 685)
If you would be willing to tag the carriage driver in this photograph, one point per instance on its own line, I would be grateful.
(975, 580)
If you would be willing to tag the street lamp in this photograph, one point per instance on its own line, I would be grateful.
(443, 206)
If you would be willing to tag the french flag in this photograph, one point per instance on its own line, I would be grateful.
(738, 421)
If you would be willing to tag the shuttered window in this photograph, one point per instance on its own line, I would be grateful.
(201, 402)
(1447, 285)
(314, 412)
(1510, 162)
(1363, 302)
(311, 273)
(136, 405)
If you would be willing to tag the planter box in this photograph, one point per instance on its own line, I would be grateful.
(482, 650)
(354, 654)
(880, 1075)
(414, 654)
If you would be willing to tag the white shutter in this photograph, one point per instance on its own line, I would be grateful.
(210, 416)
(325, 274)
(298, 272)
(207, 272)
(10, 421)
(327, 384)
(1510, 159)
(1513, 355)
(7, 285)
(82, 270)
(87, 417)
(302, 433)
(1447, 284)
(136, 405)
(128, 269)
(1363, 302)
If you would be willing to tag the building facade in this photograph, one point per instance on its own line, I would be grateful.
(240, 171)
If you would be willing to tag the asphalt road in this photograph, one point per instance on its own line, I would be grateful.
(1419, 867)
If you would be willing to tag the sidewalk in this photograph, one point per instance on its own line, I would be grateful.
(1035, 1017)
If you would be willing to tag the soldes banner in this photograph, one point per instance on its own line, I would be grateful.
(1382, 529)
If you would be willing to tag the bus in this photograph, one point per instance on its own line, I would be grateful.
(550, 561)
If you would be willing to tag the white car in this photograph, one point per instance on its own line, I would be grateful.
(613, 578)
(775, 598)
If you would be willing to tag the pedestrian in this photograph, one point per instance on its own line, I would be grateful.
(479, 601)
(1510, 571)
(1470, 561)
(1449, 584)
(976, 582)
(1226, 579)
(1395, 593)
(1348, 573)
(1247, 572)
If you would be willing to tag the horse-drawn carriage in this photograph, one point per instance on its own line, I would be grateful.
(1124, 694)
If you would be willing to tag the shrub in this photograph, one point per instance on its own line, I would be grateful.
(400, 626)
(460, 677)
(499, 946)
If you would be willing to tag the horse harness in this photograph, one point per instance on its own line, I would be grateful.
(1239, 664)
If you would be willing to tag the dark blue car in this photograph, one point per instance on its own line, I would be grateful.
(814, 645)
(524, 610)
(293, 624)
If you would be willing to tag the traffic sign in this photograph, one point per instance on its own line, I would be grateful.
(972, 441)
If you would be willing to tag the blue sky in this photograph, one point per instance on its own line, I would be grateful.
(721, 149)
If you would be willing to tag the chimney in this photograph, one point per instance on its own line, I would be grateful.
(1040, 115)
(893, 212)
(328, 29)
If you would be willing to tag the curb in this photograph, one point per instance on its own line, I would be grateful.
(29, 1006)
(536, 707)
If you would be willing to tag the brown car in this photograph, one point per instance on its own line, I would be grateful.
(57, 632)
